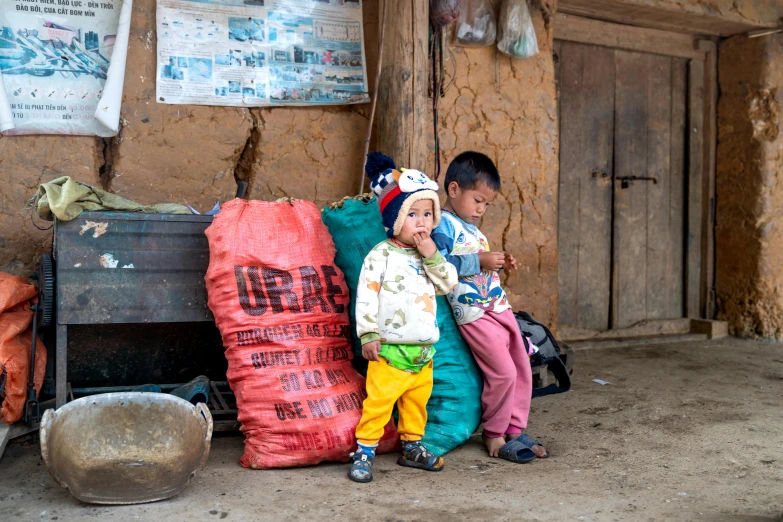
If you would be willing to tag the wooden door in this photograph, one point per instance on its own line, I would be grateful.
(621, 238)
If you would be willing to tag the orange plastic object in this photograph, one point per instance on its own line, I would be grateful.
(16, 337)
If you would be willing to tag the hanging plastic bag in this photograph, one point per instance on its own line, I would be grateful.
(516, 35)
(476, 25)
(444, 12)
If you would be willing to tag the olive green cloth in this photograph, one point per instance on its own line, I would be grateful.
(65, 199)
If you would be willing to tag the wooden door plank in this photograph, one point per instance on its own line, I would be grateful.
(568, 186)
(710, 158)
(694, 239)
(596, 32)
(676, 278)
(557, 58)
(629, 289)
(595, 194)
(584, 219)
(660, 262)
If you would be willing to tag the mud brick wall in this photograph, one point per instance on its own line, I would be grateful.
(24, 162)
(507, 109)
(749, 231)
(184, 152)
(175, 152)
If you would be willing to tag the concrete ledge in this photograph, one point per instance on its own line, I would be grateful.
(647, 333)
(628, 342)
(641, 329)
(713, 329)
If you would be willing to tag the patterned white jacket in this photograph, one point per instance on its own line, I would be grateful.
(395, 297)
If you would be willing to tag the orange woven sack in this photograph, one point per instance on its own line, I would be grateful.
(281, 306)
(16, 339)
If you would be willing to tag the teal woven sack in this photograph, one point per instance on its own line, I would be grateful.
(454, 408)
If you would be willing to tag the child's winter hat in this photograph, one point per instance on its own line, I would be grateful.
(396, 190)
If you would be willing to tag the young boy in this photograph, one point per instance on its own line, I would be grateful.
(482, 311)
(396, 315)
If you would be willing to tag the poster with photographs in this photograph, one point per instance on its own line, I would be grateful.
(62, 65)
(261, 52)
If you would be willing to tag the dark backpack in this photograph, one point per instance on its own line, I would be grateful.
(549, 353)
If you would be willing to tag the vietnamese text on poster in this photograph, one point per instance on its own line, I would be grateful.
(55, 59)
(260, 52)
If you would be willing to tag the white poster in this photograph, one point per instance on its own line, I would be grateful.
(62, 65)
(261, 52)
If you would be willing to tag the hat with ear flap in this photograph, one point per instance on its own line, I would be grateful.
(397, 190)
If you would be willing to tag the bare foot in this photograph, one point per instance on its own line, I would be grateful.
(494, 445)
(538, 450)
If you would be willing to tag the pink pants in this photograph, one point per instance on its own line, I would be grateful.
(500, 352)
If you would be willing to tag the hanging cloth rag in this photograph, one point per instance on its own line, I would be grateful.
(65, 199)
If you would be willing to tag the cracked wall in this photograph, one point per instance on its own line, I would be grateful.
(171, 152)
(307, 153)
(749, 224)
(185, 152)
(25, 162)
(507, 109)
(197, 153)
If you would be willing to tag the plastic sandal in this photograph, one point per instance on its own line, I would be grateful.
(420, 457)
(361, 468)
(195, 391)
(516, 451)
(529, 442)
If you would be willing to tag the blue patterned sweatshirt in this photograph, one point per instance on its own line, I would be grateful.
(478, 290)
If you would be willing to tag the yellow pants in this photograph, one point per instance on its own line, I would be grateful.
(385, 386)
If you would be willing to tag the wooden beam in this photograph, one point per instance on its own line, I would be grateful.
(594, 32)
(402, 93)
(624, 12)
(694, 245)
(422, 103)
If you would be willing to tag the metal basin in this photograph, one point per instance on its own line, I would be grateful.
(126, 448)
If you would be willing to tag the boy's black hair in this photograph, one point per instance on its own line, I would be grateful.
(471, 168)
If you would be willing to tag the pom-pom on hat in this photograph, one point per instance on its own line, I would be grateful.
(396, 190)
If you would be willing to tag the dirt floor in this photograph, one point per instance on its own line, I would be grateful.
(684, 432)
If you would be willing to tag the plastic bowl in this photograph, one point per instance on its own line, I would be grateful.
(126, 448)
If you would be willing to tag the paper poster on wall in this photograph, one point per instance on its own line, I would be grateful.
(62, 65)
(261, 52)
